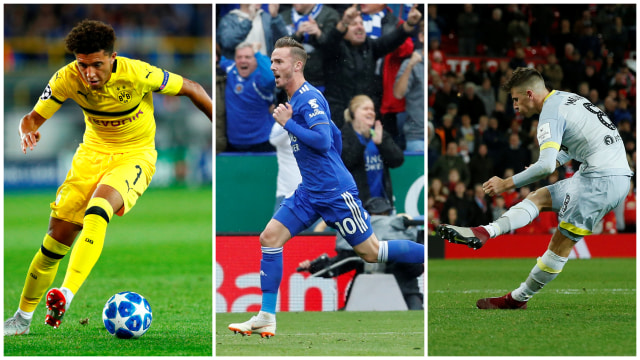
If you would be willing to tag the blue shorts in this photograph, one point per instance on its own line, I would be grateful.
(343, 212)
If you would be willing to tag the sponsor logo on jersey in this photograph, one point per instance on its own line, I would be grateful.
(316, 113)
(609, 140)
(116, 123)
(565, 204)
(544, 132)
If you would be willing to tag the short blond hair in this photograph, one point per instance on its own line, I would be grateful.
(354, 104)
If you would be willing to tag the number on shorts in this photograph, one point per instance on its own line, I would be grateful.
(348, 227)
(139, 173)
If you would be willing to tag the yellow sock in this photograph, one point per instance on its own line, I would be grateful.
(42, 271)
(89, 245)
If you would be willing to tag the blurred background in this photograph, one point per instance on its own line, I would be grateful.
(175, 37)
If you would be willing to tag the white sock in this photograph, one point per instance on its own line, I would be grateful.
(68, 295)
(266, 316)
(25, 315)
(548, 267)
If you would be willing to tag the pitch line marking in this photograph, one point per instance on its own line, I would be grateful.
(557, 291)
(327, 334)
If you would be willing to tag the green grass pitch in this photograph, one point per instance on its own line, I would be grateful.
(162, 249)
(340, 333)
(588, 310)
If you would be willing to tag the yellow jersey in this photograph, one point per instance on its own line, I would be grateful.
(119, 116)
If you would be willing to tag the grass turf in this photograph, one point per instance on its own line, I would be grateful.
(341, 333)
(162, 249)
(588, 310)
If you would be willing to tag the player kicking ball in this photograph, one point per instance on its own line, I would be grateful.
(569, 127)
(111, 168)
(327, 189)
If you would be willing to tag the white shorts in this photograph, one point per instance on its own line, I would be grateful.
(581, 202)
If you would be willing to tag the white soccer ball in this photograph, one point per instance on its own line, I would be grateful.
(127, 315)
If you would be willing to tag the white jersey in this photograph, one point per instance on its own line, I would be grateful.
(573, 125)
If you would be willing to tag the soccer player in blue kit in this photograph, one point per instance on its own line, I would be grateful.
(327, 189)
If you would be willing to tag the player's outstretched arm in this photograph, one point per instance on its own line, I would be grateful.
(198, 96)
(28, 130)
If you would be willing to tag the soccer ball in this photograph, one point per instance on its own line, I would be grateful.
(127, 315)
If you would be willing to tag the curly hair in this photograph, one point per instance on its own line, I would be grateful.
(90, 36)
(523, 76)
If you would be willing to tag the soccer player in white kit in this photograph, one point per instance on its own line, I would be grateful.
(569, 127)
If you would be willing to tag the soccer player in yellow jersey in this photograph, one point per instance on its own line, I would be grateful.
(111, 168)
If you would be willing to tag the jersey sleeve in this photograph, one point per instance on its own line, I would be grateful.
(159, 80)
(313, 111)
(53, 96)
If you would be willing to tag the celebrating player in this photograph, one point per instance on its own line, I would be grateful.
(327, 189)
(111, 168)
(570, 127)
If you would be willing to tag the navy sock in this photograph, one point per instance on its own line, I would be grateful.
(401, 251)
(270, 276)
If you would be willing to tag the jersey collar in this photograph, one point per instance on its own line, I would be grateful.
(548, 95)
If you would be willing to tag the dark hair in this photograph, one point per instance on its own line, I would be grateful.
(521, 76)
(90, 36)
(297, 50)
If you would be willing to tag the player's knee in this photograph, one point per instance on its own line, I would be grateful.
(268, 238)
(369, 257)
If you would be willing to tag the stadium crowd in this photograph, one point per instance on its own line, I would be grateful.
(473, 132)
(367, 57)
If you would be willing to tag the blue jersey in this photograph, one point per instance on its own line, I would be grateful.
(322, 171)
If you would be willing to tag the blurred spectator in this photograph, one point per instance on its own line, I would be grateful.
(515, 156)
(616, 39)
(434, 145)
(436, 23)
(622, 112)
(499, 207)
(481, 166)
(511, 196)
(468, 28)
(494, 31)
(444, 96)
(518, 59)
(288, 177)
(350, 59)
(572, 68)
(221, 116)
(630, 210)
(433, 215)
(482, 212)
(468, 133)
(447, 132)
(450, 160)
(378, 20)
(552, 72)
(452, 180)
(518, 31)
(458, 200)
(409, 84)
(471, 74)
(566, 36)
(592, 78)
(487, 94)
(439, 193)
(495, 139)
(588, 42)
(248, 99)
(309, 24)
(583, 89)
(594, 97)
(471, 104)
(368, 151)
(542, 23)
(250, 24)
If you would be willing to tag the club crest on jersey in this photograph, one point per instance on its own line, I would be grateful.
(124, 96)
(46, 94)
(238, 89)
